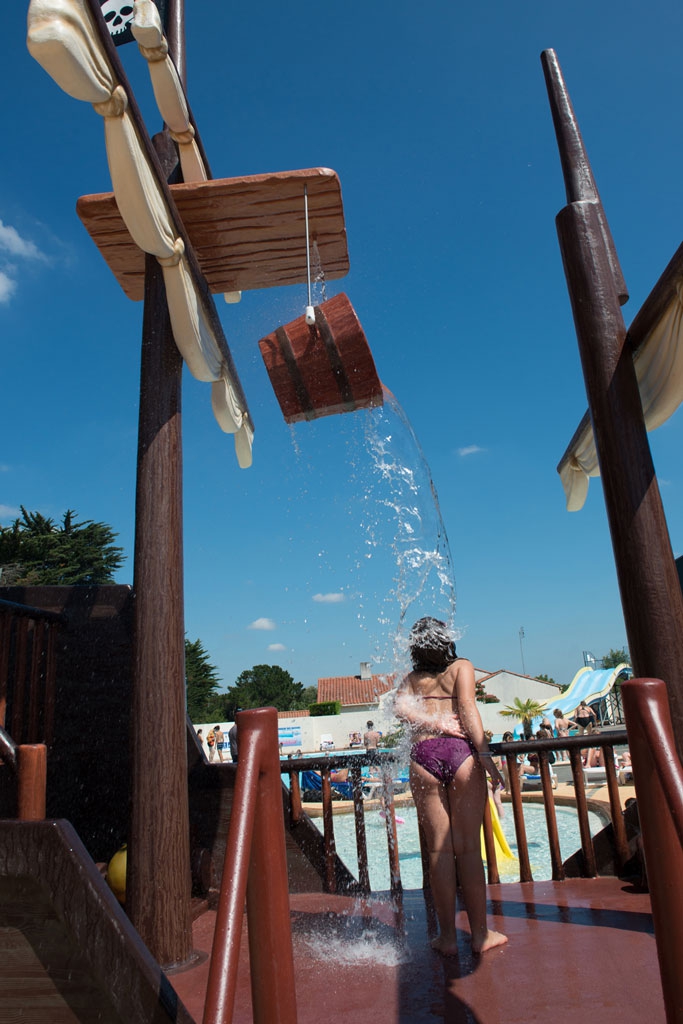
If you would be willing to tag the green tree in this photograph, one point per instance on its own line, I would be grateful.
(309, 696)
(36, 550)
(546, 679)
(524, 711)
(201, 681)
(264, 686)
(614, 658)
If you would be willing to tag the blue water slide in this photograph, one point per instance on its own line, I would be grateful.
(588, 684)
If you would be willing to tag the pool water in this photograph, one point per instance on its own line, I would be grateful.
(409, 845)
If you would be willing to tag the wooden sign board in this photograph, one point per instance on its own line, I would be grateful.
(247, 232)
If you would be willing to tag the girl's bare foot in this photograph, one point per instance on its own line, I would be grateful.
(445, 945)
(491, 940)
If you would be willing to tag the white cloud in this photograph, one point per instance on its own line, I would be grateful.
(8, 512)
(329, 598)
(276, 647)
(470, 449)
(7, 287)
(262, 624)
(12, 242)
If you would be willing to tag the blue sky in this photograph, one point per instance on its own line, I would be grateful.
(437, 122)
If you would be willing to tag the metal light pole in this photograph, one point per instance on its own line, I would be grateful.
(521, 648)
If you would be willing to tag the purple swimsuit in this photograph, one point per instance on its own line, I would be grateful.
(441, 756)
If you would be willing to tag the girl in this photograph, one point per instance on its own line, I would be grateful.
(449, 760)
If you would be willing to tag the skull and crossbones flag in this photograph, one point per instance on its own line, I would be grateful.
(118, 17)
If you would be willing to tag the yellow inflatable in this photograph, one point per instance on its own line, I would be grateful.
(503, 851)
(116, 873)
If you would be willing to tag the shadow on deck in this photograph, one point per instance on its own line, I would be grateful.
(579, 949)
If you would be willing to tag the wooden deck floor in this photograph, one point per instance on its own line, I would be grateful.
(579, 951)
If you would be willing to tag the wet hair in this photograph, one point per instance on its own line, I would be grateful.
(370, 725)
(558, 713)
(432, 647)
(508, 737)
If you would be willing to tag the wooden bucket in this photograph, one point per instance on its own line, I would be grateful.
(324, 368)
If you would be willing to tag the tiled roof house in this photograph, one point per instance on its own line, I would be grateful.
(356, 692)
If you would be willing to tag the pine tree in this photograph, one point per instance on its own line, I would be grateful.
(35, 550)
(201, 680)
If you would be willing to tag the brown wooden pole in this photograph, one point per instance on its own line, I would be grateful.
(159, 887)
(31, 781)
(518, 815)
(270, 938)
(361, 840)
(328, 833)
(159, 872)
(650, 590)
(651, 743)
(590, 870)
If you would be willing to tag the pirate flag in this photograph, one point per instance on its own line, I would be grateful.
(118, 17)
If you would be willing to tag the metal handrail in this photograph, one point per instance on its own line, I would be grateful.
(354, 762)
(574, 745)
(255, 869)
(658, 778)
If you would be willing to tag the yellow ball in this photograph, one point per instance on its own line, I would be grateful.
(116, 873)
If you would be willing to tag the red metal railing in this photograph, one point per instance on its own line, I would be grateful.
(28, 764)
(255, 869)
(658, 777)
(355, 763)
(27, 671)
(574, 745)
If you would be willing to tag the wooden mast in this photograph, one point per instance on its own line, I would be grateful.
(650, 591)
(159, 883)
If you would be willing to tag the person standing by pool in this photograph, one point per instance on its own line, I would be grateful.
(449, 760)
(562, 727)
(371, 737)
(585, 718)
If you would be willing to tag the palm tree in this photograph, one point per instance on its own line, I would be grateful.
(524, 711)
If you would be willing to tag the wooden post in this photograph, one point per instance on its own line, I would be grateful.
(650, 590)
(159, 874)
(31, 781)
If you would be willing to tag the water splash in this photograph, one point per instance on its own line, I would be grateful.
(355, 936)
(423, 579)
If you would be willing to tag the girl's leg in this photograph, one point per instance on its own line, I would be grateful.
(466, 797)
(431, 803)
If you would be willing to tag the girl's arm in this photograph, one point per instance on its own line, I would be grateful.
(471, 719)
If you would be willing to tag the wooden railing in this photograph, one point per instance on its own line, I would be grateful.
(28, 764)
(255, 869)
(510, 751)
(658, 777)
(27, 688)
(386, 763)
(27, 671)
(574, 745)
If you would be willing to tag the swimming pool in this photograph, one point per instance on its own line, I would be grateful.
(409, 845)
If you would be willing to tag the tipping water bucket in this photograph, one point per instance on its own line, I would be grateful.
(324, 368)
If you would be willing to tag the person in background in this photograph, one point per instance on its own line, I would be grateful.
(220, 740)
(449, 761)
(371, 737)
(562, 727)
(495, 792)
(585, 719)
(211, 744)
(232, 741)
(594, 757)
